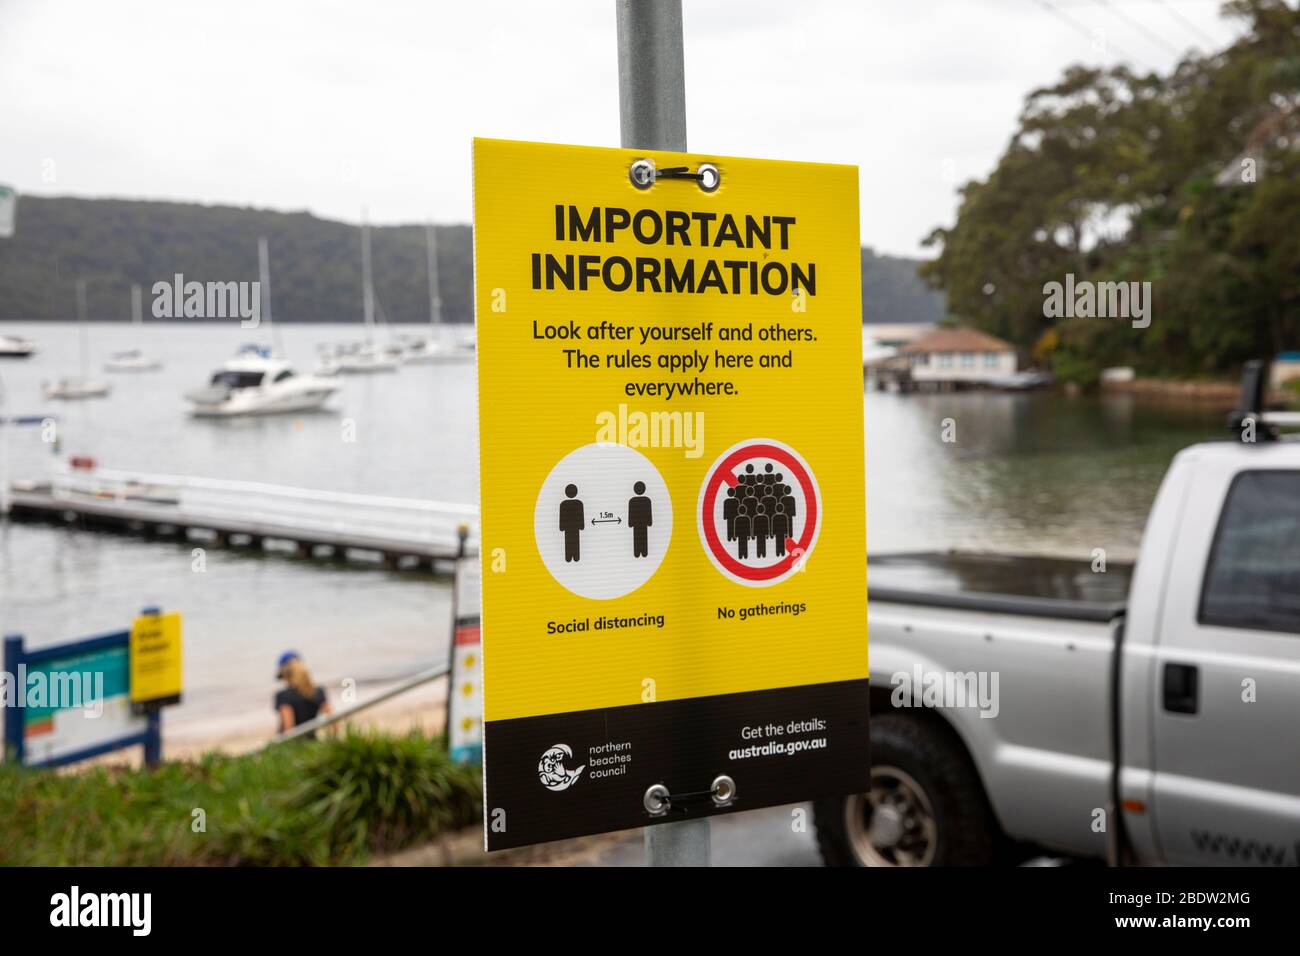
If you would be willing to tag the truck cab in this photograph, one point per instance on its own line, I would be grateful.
(1210, 702)
(1148, 714)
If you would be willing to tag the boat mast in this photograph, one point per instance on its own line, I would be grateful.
(264, 284)
(137, 315)
(81, 327)
(369, 293)
(435, 300)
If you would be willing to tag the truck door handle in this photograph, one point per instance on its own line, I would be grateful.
(1180, 688)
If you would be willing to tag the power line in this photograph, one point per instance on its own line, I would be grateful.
(1179, 15)
(1141, 27)
(1091, 35)
(1170, 8)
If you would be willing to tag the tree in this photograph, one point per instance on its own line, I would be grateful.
(1111, 176)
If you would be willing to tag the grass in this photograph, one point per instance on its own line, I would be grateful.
(328, 802)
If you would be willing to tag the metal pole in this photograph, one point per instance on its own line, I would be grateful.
(153, 743)
(652, 115)
(651, 75)
(5, 428)
(13, 716)
(462, 535)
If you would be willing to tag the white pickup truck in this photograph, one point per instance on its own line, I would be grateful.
(1146, 714)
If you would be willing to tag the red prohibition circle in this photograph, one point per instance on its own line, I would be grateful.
(718, 478)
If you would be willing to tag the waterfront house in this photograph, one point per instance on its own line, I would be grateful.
(951, 357)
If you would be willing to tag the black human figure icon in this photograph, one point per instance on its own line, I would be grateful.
(787, 501)
(572, 521)
(743, 531)
(769, 502)
(780, 529)
(761, 529)
(729, 509)
(639, 518)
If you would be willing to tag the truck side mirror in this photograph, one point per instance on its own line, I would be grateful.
(1254, 385)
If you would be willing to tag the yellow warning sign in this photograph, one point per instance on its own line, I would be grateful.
(671, 471)
(156, 672)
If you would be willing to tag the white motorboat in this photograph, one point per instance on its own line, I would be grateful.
(12, 346)
(75, 388)
(133, 360)
(255, 382)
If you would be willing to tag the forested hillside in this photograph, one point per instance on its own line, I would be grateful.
(315, 263)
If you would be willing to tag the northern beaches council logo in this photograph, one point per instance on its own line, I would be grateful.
(552, 772)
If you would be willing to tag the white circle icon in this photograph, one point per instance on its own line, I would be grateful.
(603, 521)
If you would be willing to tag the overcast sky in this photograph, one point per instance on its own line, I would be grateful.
(332, 106)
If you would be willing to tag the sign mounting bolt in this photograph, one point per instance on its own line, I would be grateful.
(642, 173)
(657, 800)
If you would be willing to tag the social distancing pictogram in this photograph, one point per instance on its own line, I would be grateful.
(603, 520)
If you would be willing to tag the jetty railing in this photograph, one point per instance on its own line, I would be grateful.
(259, 509)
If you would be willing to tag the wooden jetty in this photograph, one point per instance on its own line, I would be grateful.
(400, 531)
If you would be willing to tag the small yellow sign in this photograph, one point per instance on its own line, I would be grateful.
(156, 659)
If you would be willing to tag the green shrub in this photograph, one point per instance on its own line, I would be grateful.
(312, 803)
(380, 793)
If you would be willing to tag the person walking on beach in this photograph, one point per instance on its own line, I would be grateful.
(300, 700)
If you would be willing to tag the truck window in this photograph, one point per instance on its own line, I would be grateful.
(1252, 579)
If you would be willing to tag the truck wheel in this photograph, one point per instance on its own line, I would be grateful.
(925, 808)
